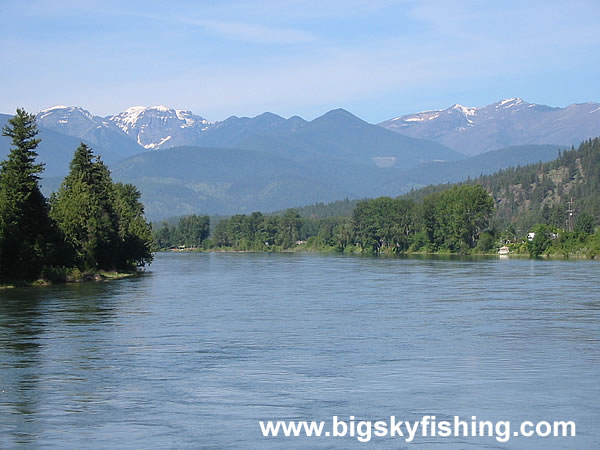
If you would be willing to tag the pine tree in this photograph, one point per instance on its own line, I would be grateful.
(83, 207)
(26, 232)
(103, 222)
(135, 234)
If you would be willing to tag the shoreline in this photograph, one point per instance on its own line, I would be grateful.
(70, 279)
(302, 249)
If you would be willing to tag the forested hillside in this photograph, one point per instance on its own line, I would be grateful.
(559, 200)
(541, 193)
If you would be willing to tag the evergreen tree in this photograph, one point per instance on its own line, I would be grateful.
(135, 234)
(26, 232)
(84, 209)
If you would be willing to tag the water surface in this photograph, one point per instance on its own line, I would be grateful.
(197, 350)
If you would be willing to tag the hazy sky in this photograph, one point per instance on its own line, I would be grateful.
(376, 58)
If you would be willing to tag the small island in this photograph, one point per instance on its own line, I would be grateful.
(92, 228)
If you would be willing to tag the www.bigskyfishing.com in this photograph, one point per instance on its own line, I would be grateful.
(409, 430)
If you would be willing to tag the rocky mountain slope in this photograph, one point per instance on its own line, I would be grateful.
(502, 124)
(159, 126)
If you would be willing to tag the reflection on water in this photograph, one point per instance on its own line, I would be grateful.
(31, 324)
(200, 348)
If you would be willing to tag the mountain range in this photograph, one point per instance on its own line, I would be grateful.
(467, 130)
(502, 124)
(184, 164)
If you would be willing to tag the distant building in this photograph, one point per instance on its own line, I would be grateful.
(504, 250)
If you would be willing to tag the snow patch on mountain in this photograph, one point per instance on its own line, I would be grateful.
(511, 121)
(460, 116)
(46, 112)
(159, 126)
(153, 145)
(465, 110)
(65, 112)
(128, 118)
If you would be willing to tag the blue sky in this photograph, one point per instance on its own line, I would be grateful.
(377, 58)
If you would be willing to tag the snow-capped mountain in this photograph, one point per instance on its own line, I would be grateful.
(469, 130)
(80, 123)
(157, 127)
(512, 121)
(136, 128)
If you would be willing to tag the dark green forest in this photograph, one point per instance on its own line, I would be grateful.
(90, 225)
(559, 201)
(449, 221)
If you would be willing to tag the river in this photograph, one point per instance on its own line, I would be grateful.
(198, 349)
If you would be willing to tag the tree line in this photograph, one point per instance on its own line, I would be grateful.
(450, 221)
(474, 216)
(188, 232)
(91, 224)
(255, 232)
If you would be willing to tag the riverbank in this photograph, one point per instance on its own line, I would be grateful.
(388, 252)
(68, 277)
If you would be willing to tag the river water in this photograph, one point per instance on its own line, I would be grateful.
(197, 350)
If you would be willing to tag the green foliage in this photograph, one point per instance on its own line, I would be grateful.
(189, 231)
(135, 234)
(364, 226)
(28, 238)
(84, 209)
(524, 198)
(260, 232)
(103, 222)
(467, 212)
(541, 241)
(486, 243)
(450, 220)
(585, 223)
(593, 245)
(90, 224)
(342, 234)
(289, 229)
(384, 223)
(539, 193)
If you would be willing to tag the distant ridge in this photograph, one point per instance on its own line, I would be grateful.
(268, 162)
(508, 122)
(337, 133)
(467, 130)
